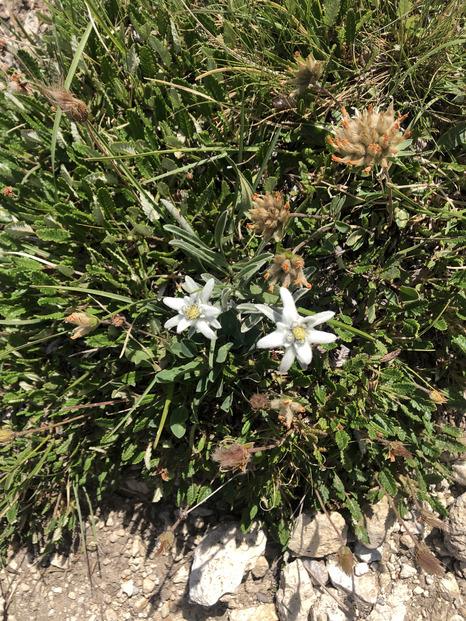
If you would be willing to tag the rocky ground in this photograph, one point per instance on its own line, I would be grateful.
(121, 574)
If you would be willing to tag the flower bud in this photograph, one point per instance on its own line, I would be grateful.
(85, 323)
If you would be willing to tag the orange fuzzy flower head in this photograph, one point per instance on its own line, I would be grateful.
(269, 214)
(368, 138)
(286, 270)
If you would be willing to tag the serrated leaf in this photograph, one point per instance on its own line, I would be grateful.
(342, 439)
(331, 8)
(191, 494)
(350, 27)
(106, 201)
(388, 482)
(354, 508)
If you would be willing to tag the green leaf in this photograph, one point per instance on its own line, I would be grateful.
(331, 8)
(388, 481)
(191, 494)
(460, 341)
(342, 439)
(350, 27)
(106, 202)
(354, 508)
(178, 418)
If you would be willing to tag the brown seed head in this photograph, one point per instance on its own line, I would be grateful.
(345, 560)
(437, 396)
(232, 456)
(259, 402)
(286, 270)
(6, 435)
(75, 109)
(429, 563)
(308, 72)
(269, 214)
(368, 138)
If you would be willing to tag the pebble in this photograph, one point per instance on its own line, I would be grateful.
(148, 586)
(72, 595)
(407, 572)
(57, 590)
(360, 569)
(418, 590)
(128, 587)
(140, 604)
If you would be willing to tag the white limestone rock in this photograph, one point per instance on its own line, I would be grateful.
(327, 609)
(448, 587)
(317, 569)
(263, 612)
(459, 471)
(378, 520)
(368, 555)
(365, 587)
(295, 594)
(222, 557)
(395, 607)
(455, 536)
(315, 537)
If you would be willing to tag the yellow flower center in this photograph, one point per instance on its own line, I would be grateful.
(299, 334)
(192, 312)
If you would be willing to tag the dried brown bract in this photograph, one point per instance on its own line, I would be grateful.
(308, 72)
(7, 191)
(17, 83)
(75, 109)
(286, 270)
(437, 396)
(232, 456)
(345, 560)
(269, 214)
(259, 402)
(429, 563)
(368, 138)
(85, 323)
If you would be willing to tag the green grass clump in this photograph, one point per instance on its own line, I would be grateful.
(133, 147)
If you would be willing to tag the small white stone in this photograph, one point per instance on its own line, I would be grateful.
(418, 590)
(148, 586)
(367, 555)
(60, 561)
(140, 604)
(448, 587)
(57, 590)
(221, 559)
(24, 587)
(128, 587)
(319, 573)
(72, 595)
(360, 569)
(260, 568)
(263, 612)
(407, 571)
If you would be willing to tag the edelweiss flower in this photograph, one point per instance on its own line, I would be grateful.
(295, 333)
(193, 311)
